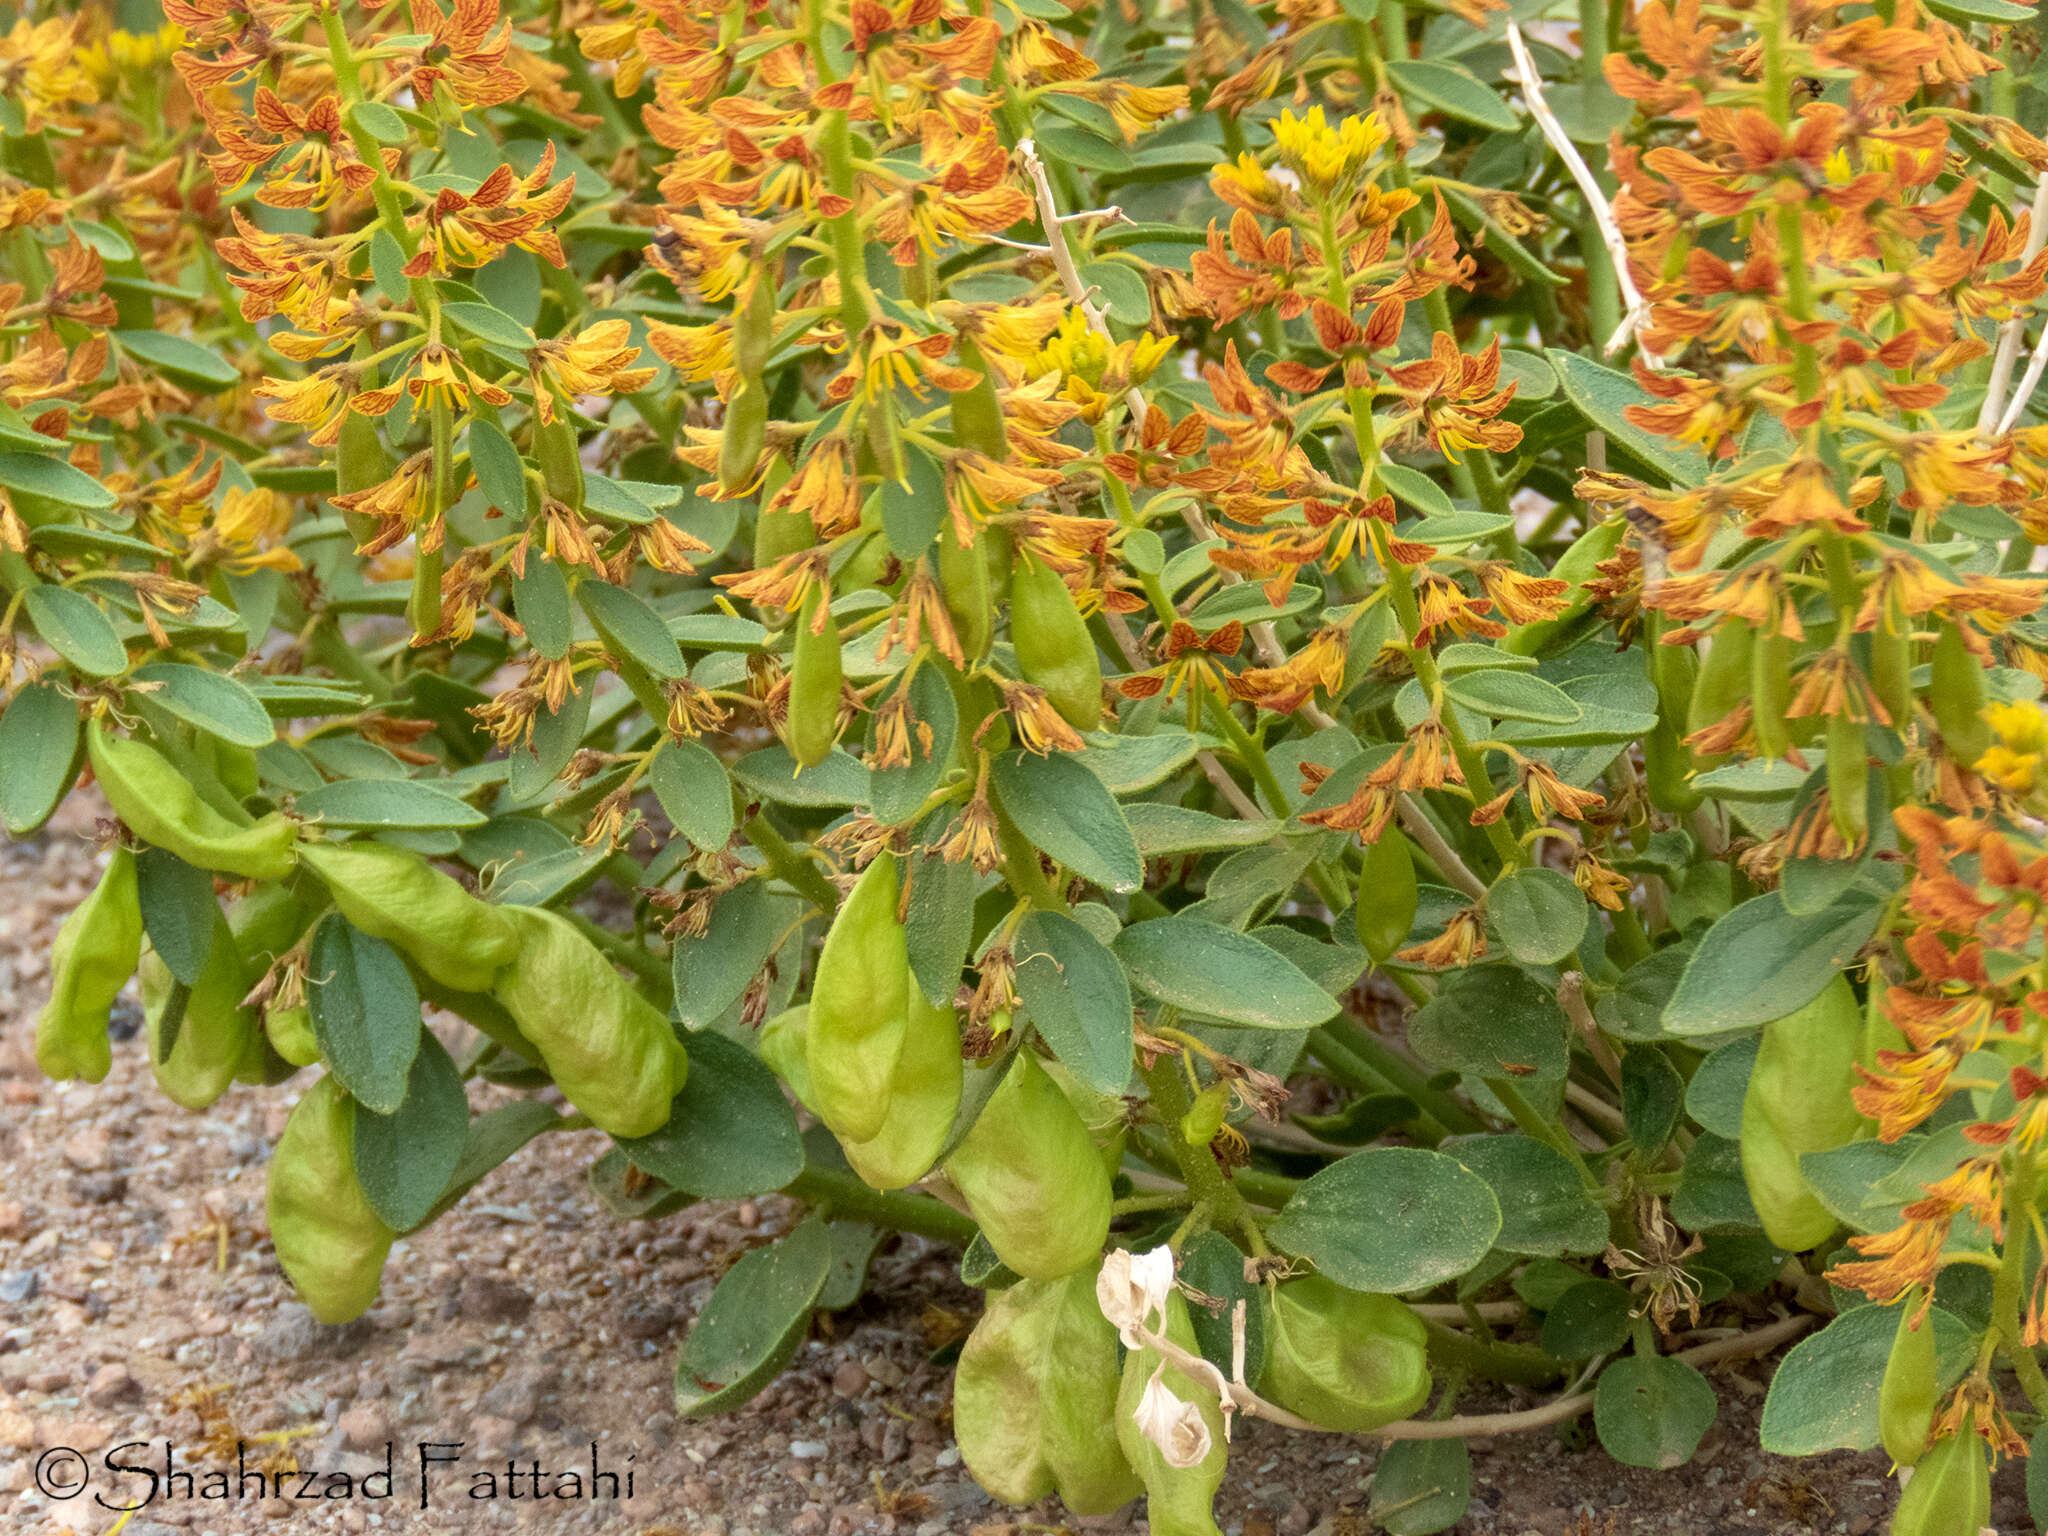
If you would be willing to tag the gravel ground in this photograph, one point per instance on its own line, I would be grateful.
(526, 1334)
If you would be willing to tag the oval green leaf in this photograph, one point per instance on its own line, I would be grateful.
(366, 1012)
(1067, 811)
(753, 1323)
(1391, 1219)
(1220, 972)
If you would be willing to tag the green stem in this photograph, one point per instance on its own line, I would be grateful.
(792, 867)
(1544, 1130)
(1516, 1364)
(847, 1197)
(2011, 1277)
(1218, 1201)
(1408, 1078)
(1345, 1066)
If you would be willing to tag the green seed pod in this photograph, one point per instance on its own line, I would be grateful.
(1891, 670)
(1344, 1359)
(1770, 693)
(1848, 779)
(561, 465)
(1674, 672)
(1031, 1175)
(1799, 1101)
(198, 1037)
(361, 461)
(395, 895)
(1179, 1501)
(1950, 1494)
(812, 723)
(1387, 895)
(1722, 684)
(160, 806)
(290, 1032)
(1957, 694)
(1205, 1117)
(753, 327)
(870, 562)
(96, 952)
(1577, 566)
(781, 1043)
(860, 1002)
(1035, 1387)
(1054, 649)
(745, 435)
(1910, 1391)
(1668, 769)
(330, 1243)
(613, 1054)
(923, 1096)
(978, 412)
(970, 600)
(779, 532)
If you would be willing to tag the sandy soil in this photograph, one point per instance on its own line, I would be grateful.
(525, 1334)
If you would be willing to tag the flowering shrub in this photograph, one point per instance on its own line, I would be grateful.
(1381, 663)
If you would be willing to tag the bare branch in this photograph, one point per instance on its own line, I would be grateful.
(1596, 200)
(2010, 334)
(1558, 1410)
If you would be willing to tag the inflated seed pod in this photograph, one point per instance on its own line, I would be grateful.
(1179, 1499)
(1054, 649)
(1950, 1494)
(97, 948)
(199, 1037)
(860, 1005)
(1798, 1101)
(395, 895)
(1345, 1359)
(1911, 1389)
(613, 1054)
(290, 1032)
(160, 806)
(330, 1243)
(781, 1043)
(924, 1095)
(812, 723)
(1031, 1175)
(1035, 1390)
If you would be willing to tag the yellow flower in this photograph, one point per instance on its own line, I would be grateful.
(2015, 762)
(1328, 159)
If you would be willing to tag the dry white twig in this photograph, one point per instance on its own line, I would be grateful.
(1638, 309)
(2010, 334)
(1051, 220)
(2036, 366)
